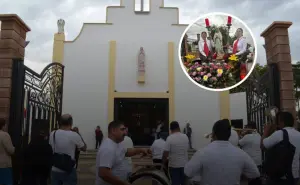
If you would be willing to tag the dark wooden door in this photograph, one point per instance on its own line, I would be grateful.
(140, 116)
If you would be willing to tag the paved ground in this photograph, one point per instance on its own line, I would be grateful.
(86, 172)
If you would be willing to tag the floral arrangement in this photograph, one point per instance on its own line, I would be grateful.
(212, 75)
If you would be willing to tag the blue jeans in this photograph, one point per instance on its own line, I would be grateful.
(177, 176)
(6, 176)
(60, 178)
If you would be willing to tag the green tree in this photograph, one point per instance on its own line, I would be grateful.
(259, 69)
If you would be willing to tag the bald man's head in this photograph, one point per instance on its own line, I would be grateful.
(66, 120)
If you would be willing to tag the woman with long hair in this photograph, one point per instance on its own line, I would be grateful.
(6, 151)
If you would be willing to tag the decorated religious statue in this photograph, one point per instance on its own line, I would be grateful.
(218, 44)
(141, 66)
(61, 25)
(141, 60)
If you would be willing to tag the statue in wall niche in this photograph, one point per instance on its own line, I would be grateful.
(61, 26)
(141, 60)
(188, 132)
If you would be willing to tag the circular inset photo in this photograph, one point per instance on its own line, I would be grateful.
(217, 52)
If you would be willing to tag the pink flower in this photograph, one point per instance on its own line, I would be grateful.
(214, 78)
(219, 75)
(194, 73)
(197, 79)
(209, 75)
(201, 73)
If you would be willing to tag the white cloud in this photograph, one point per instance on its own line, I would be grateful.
(42, 16)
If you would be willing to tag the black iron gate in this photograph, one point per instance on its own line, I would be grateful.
(262, 92)
(36, 101)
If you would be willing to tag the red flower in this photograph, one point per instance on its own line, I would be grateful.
(214, 56)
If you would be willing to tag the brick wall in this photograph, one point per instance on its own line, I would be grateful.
(278, 51)
(12, 45)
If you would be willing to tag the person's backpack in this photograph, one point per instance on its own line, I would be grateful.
(279, 159)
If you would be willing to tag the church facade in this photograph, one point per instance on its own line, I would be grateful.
(128, 69)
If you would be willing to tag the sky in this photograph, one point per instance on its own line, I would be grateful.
(219, 20)
(42, 16)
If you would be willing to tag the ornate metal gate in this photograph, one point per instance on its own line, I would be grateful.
(262, 92)
(36, 101)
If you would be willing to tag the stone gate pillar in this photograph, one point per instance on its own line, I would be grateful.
(12, 46)
(278, 51)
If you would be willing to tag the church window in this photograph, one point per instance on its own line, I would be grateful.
(142, 6)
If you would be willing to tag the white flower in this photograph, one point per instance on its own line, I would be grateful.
(251, 49)
(230, 75)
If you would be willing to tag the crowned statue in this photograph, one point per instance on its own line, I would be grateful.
(218, 40)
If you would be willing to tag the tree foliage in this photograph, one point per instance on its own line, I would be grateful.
(259, 69)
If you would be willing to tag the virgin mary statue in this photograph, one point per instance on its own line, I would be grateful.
(218, 44)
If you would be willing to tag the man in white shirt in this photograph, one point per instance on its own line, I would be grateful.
(285, 121)
(250, 143)
(65, 141)
(205, 46)
(240, 44)
(127, 143)
(176, 149)
(157, 148)
(234, 137)
(110, 168)
(221, 163)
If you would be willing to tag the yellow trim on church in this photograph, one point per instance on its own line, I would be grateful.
(58, 48)
(171, 82)
(58, 56)
(224, 98)
(111, 79)
(111, 84)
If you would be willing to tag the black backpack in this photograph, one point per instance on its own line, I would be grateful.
(279, 159)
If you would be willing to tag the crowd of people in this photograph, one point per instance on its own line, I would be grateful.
(225, 161)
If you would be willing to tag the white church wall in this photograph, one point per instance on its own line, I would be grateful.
(238, 106)
(86, 72)
(85, 83)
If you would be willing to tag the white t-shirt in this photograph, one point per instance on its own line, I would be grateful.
(111, 155)
(250, 143)
(157, 148)
(177, 144)
(294, 137)
(127, 143)
(221, 163)
(234, 138)
(66, 142)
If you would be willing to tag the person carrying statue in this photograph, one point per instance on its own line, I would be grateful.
(205, 46)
